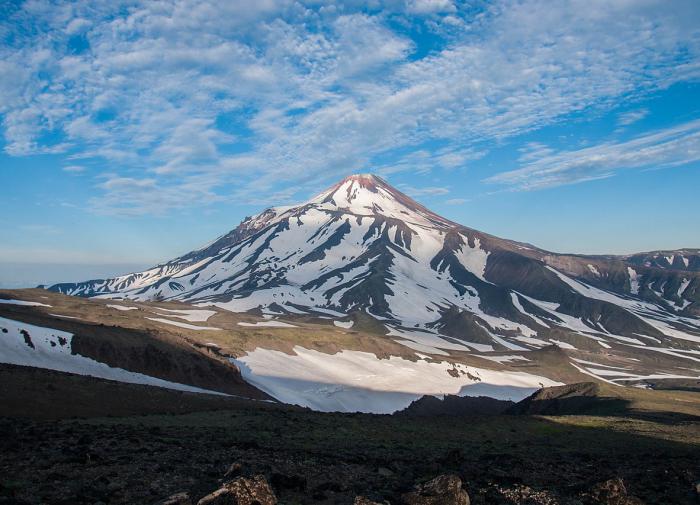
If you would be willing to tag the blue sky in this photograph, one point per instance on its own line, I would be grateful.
(133, 132)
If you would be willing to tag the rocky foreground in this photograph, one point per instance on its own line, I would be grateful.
(247, 455)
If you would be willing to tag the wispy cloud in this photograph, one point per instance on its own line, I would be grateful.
(41, 229)
(670, 147)
(74, 169)
(191, 102)
(426, 191)
(630, 117)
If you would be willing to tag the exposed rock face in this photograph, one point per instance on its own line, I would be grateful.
(442, 490)
(242, 491)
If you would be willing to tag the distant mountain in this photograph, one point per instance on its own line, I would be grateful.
(363, 251)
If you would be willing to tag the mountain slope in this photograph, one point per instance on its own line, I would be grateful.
(362, 248)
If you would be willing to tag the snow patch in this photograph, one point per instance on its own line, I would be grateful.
(355, 381)
(181, 324)
(23, 302)
(504, 359)
(64, 317)
(268, 324)
(51, 349)
(122, 307)
(192, 315)
(634, 281)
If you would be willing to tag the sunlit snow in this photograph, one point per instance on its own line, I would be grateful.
(355, 381)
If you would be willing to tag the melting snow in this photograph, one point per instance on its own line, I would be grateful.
(65, 317)
(23, 302)
(195, 316)
(182, 325)
(270, 324)
(504, 359)
(122, 307)
(355, 381)
(344, 324)
(51, 349)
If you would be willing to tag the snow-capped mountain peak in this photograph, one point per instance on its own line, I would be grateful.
(369, 195)
(362, 246)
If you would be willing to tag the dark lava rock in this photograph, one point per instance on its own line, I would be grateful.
(611, 492)
(282, 481)
(242, 491)
(442, 490)
(361, 500)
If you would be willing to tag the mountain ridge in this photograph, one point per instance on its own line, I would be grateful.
(433, 284)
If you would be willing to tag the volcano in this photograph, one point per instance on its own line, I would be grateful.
(364, 251)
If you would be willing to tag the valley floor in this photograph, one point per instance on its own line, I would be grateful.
(322, 458)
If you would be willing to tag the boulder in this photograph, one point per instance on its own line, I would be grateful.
(442, 490)
(611, 492)
(242, 491)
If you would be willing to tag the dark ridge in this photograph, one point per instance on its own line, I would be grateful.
(457, 406)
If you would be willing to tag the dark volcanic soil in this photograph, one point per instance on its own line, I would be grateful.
(314, 458)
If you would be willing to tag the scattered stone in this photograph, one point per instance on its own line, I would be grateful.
(235, 470)
(242, 491)
(362, 500)
(442, 490)
(611, 492)
(523, 495)
(176, 499)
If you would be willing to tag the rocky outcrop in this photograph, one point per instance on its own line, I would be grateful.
(458, 406)
(610, 492)
(242, 491)
(442, 490)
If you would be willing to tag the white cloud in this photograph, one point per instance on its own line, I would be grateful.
(186, 99)
(425, 191)
(456, 201)
(430, 6)
(671, 147)
(630, 117)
